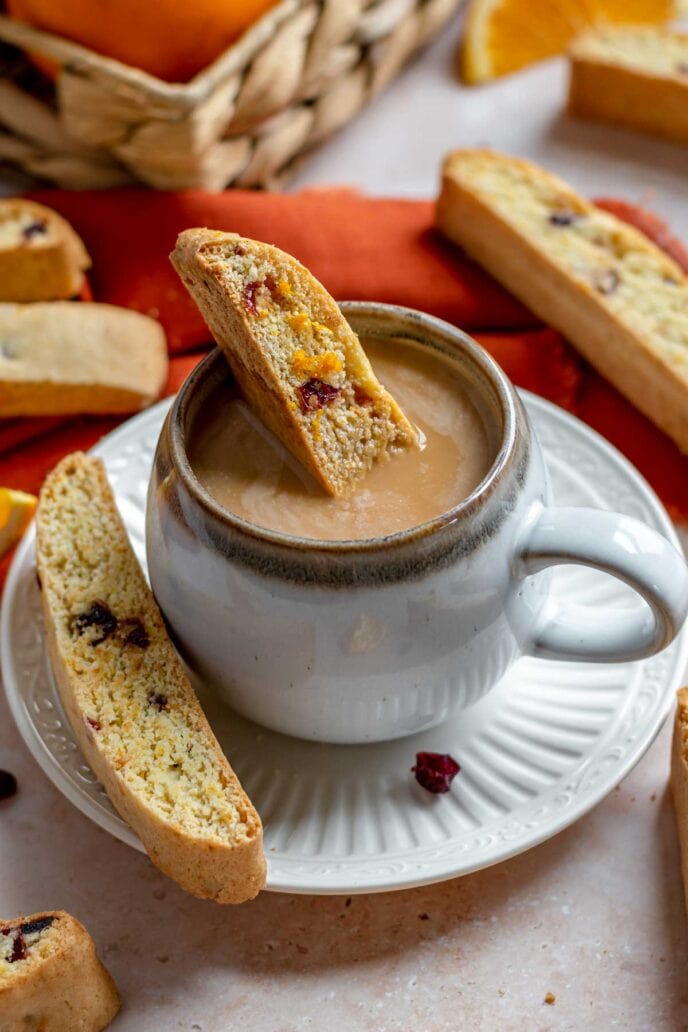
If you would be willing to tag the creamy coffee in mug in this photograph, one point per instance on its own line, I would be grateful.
(246, 470)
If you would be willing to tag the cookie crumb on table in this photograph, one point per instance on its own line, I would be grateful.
(550, 999)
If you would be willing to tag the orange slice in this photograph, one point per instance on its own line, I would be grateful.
(502, 36)
(16, 510)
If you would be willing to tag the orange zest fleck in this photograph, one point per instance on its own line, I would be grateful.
(320, 366)
(299, 321)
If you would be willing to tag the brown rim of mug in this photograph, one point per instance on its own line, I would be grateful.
(408, 323)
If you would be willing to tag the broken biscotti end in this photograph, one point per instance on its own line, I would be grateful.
(51, 977)
(294, 356)
(131, 705)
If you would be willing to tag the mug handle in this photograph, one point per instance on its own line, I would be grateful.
(626, 549)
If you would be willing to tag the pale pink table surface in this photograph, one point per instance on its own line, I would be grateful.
(595, 916)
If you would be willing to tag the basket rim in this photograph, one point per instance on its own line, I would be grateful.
(191, 93)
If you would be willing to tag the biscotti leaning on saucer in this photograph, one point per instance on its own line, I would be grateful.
(296, 359)
(63, 358)
(679, 779)
(635, 77)
(619, 299)
(132, 708)
(41, 257)
(51, 978)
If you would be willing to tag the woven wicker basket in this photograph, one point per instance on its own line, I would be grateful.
(299, 74)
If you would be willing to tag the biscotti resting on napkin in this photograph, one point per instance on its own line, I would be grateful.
(51, 979)
(620, 300)
(129, 701)
(41, 257)
(296, 359)
(65, 357)
(635, 77)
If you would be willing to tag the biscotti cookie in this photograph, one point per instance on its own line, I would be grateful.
(620, 300)
(50, 977)
(633, 77)
(679, 779)
(41, 257)
(62, 358)
(130, 703)
(295, 357)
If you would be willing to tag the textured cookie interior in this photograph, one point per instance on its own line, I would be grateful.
(138, 705)
(26, 940)
(644, 288)
(307, 376)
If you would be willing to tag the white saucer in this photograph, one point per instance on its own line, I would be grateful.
(547, 744)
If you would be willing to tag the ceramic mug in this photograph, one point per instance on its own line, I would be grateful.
(362, 641)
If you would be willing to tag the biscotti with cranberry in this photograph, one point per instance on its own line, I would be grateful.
(635, 77)
(51, 979)
(130, 703)
(296, 359)
(61, 358)
(41, 257)
(679, 780)
(619, 299)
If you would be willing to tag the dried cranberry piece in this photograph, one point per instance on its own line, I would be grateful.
(98, 615)
(18, 949)
(135, 633)
(606, 282)
(37, 228)
(39, 925)
(159, 700)
(95, 724)
(8, 785)
(270, 283)
(241, 251)
(563, 218)
(6, 930)
(314, 394)
(249, 295)
(435, 771)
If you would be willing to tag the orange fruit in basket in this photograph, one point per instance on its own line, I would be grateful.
(171, 39)
(502, 36)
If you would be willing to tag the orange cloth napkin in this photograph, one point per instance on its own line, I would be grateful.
(362, 249)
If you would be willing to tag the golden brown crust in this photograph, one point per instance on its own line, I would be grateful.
(631, 96)
(62, 358)
(111, 696)
(337, 443)
(679, 780)
(45, 267)
(610, 339)
(61, 986)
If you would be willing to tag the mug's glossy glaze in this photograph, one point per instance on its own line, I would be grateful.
(370, 640)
